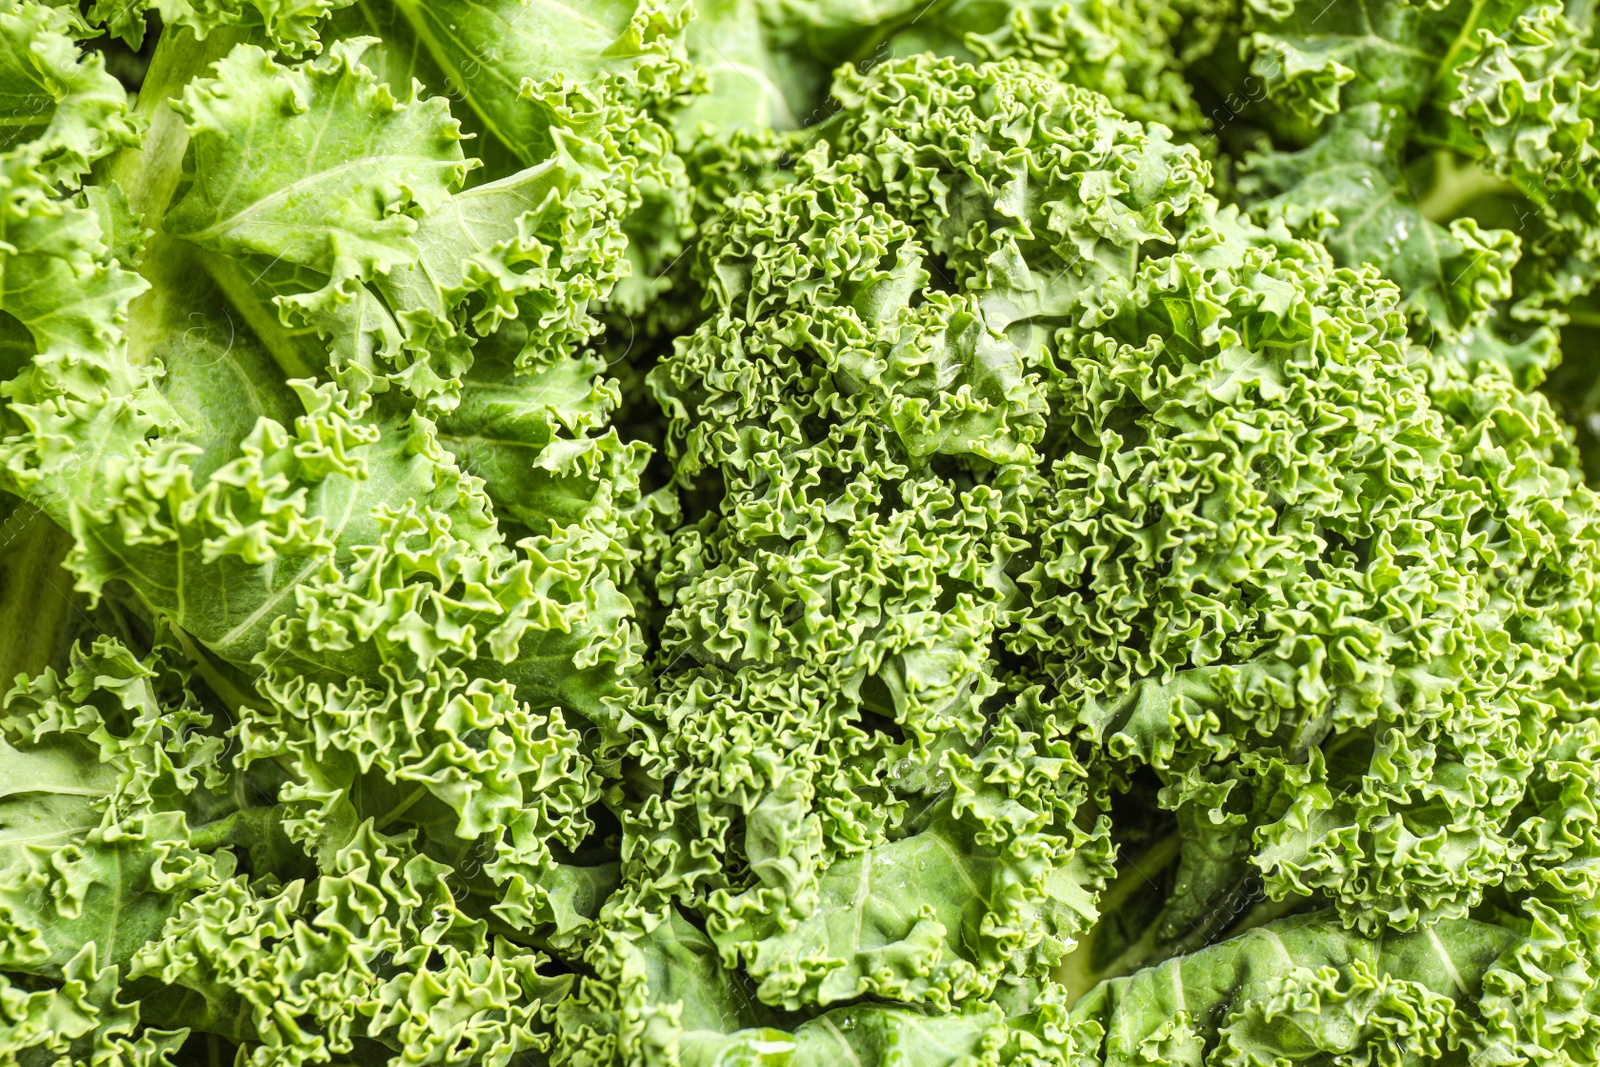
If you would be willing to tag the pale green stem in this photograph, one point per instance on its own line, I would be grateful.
(1455, 185)
(149, 175)
(35, 592)
(1077, 972)
(401, 808)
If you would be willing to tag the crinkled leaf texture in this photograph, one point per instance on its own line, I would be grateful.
(1009, 598)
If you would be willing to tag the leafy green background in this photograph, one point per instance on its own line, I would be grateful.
(780, 532)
